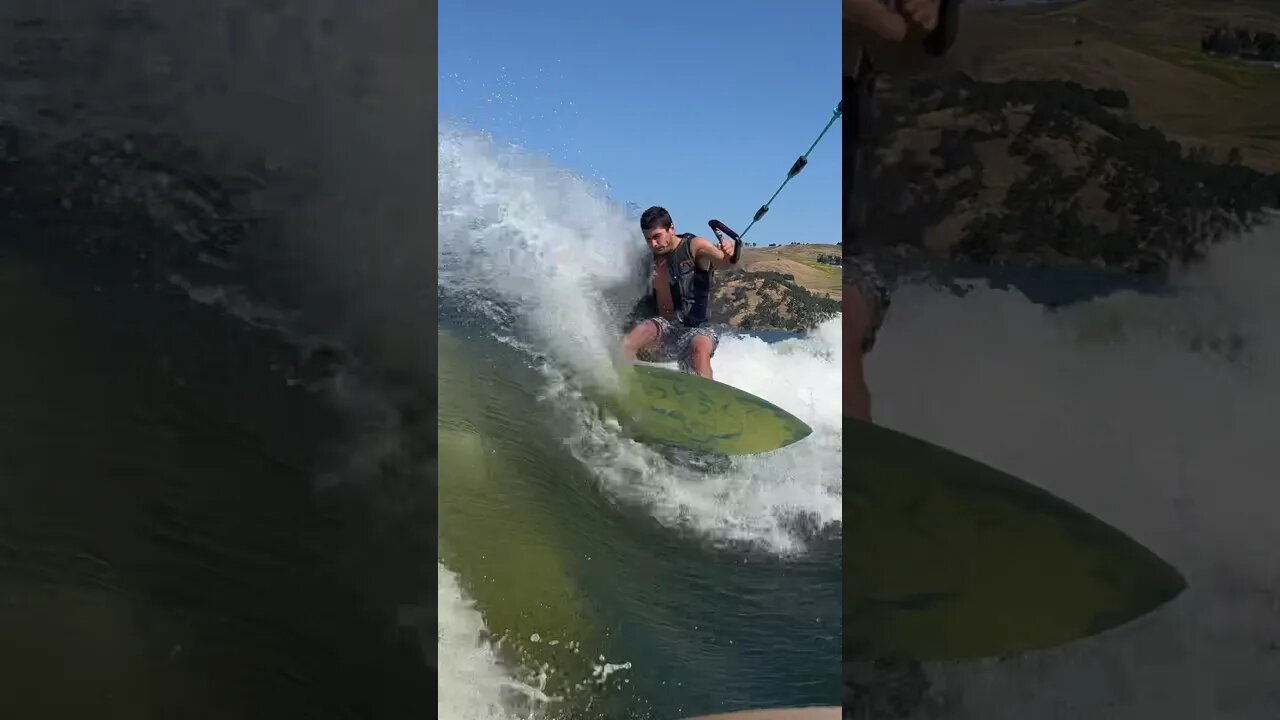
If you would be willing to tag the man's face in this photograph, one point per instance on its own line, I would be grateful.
(661, 239)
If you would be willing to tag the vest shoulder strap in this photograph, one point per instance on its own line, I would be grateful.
(686, 248)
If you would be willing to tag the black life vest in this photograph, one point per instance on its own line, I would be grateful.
(690, 285)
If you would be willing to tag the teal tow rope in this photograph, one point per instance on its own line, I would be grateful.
(799, 165)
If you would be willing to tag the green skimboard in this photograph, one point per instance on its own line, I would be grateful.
(668, 407)
(946, 558)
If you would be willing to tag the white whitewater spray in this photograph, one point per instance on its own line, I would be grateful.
(473, 683)
(533, 245)
(1159, 415)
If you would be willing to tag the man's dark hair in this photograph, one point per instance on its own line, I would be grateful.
(655, 217)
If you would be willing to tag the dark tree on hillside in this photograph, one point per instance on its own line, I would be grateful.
(1241, 43)
(1157, 201)
(1111, 98)
(1267, 46)
(1220, 40)
(1246, 42)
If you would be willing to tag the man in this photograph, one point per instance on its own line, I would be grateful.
(902, 36)
(679, 295)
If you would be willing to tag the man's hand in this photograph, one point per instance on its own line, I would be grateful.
(726, 245)
(871, 23)
(717, 256)
(921, 16)
(896, 35)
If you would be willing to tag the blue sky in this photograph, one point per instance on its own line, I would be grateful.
(699, 106)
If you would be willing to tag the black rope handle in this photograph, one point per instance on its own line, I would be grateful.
(939, 41)
(718, 227)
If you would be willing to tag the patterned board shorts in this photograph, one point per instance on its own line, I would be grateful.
(675, 343)
(861, 275)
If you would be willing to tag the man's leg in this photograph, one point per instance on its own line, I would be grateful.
(644, 336)
(857, 322)
(866, 300)
(696, 347)
(701, 349)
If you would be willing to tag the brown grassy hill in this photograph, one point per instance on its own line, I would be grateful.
(1095, 132)
(784, 288)
(801, 262)
(1149, 49)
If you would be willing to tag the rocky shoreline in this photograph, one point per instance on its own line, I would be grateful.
(1045, 173)
(767, 300)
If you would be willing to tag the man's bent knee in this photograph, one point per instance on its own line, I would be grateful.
(702, 347)
(641, 336)
(857, 314)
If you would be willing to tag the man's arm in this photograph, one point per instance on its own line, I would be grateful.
(871, 23)
(716, 256)
(905, 37)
